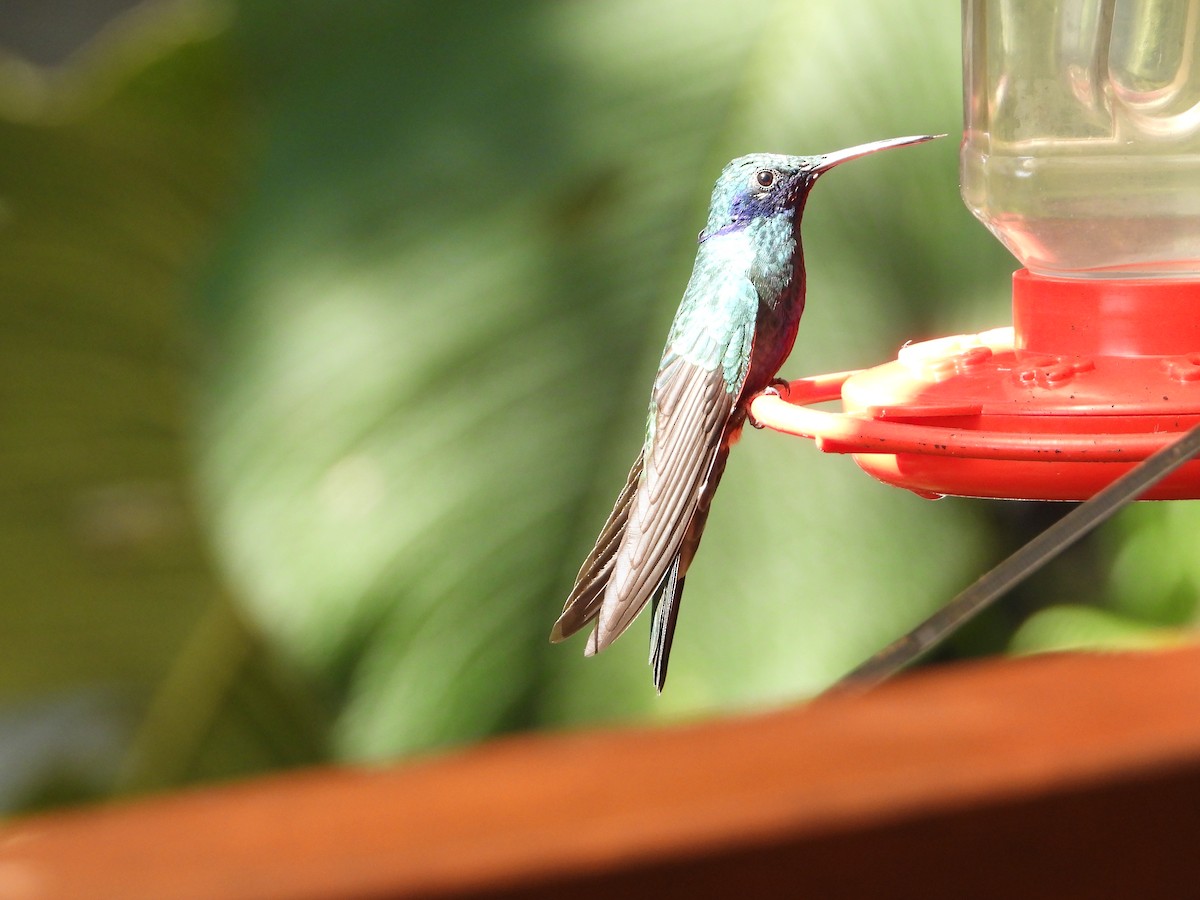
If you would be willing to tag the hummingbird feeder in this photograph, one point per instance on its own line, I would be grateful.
(1081, 153)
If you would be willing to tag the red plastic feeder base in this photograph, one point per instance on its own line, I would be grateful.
(1094, 376)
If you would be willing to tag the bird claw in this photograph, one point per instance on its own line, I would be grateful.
(778, 387)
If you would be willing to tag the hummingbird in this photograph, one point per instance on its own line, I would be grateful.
(734, 328)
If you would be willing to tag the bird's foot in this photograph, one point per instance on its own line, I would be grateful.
(778, 387)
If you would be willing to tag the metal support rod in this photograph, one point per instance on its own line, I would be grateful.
(1021, 564)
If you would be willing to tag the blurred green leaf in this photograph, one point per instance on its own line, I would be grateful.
(1061, 628)
(113, 174)
(1155, 572)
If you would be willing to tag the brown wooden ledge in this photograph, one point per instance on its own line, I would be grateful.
(1053, 777)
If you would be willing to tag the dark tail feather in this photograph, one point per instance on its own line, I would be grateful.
(665, 615)
(666, 601)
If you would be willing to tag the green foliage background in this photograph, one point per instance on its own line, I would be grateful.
(326, 339)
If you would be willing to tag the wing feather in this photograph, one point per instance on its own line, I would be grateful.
(584, 601)
(692, 406)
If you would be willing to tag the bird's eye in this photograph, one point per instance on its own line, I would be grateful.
(764, 177)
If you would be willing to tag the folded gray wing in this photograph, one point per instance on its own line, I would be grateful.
(583, 604)
(691, 406)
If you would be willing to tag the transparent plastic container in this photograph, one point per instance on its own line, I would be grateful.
(1081, 149)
